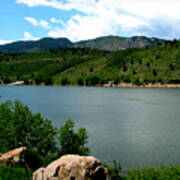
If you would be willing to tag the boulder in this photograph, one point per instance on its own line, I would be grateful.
(11, 157)
(73, 167)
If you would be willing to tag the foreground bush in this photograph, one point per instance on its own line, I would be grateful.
(12, 173)
(164, 173)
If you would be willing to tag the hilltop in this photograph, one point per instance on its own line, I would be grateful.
(108, 43)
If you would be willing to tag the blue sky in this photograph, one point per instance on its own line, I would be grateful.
(87, 19)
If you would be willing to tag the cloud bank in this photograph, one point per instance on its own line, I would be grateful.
(116, 17)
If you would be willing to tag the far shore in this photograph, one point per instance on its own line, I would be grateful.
(155, 85)
(120, 85)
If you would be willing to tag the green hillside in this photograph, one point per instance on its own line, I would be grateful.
(160, 63)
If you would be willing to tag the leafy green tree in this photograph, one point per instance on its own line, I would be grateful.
(94, 80)
(124, 68)
(38, 79)
(171, 66)
(148, 64)
(20, 127)
(80, 81)
(47, 79)
(117, 81)
(91, 69)
(72, 142)
(154, 72)
(65, 81)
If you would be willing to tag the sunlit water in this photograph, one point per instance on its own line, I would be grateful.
(135, 126)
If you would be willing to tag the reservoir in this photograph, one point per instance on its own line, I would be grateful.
(134, 126)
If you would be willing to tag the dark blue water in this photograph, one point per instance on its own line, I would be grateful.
(135, 126)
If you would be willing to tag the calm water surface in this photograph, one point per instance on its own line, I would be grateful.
(135, 126)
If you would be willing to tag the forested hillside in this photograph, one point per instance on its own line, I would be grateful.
(83, 66)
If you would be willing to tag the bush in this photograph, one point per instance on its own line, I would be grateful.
(114, 171)
(117, 81)
(163, 173)
(65, 81)
(47, 80)
(154, 72)
(80, 81)
(94, 80)
(38, 79)
(12, 173)
(72, 142)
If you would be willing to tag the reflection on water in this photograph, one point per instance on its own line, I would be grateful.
(135, 126)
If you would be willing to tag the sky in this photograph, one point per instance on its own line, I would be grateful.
(87, 19)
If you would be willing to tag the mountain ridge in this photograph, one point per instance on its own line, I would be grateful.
(108, 43)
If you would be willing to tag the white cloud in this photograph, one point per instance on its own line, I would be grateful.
(102, 17)
(33, 21)
(44, 24)
(28, 36)
(57, 21)
(92, 26)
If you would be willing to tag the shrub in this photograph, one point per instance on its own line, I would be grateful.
(47, 80)
(65, 81)
(38, 79)
(114, 171)
(80, 81)
(154, 72)
(148, 65)
(12, 173)
(171, 66)
(117, 81)
(72, 142)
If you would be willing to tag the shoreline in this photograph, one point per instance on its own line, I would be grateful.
(155, 85)
(120, 85)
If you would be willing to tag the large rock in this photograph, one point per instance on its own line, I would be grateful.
(11, 157)
(73, 167)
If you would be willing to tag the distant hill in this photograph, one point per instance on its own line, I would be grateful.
(109, 43)
(36, 46)
(114, 43)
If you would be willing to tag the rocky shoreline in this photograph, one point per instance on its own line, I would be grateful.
(156, 85)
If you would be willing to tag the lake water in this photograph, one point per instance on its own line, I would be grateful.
(135, 126)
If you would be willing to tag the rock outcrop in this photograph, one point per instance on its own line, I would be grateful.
(11, 157)
(73, 167)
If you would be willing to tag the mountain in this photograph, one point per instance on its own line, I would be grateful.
(109, 43)
(113, 43)
(36, 46)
